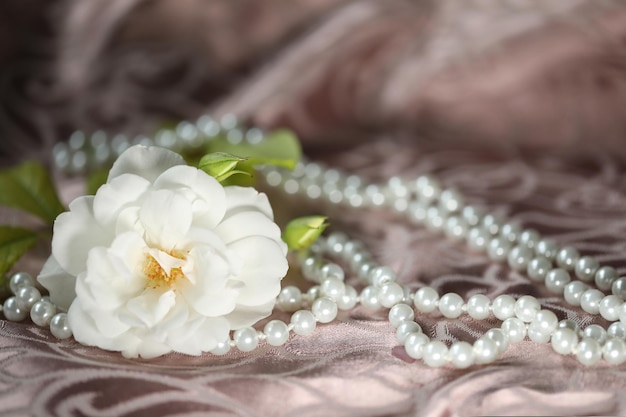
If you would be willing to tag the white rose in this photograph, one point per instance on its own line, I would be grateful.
(164, 258)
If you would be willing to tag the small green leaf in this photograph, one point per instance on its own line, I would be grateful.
(222, 165)
(279, 148)
(300, 233)
(14, 242)
(29, 187)
(95, 180)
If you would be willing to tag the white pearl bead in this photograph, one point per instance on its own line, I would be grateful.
(59, 326)
(485, 350)
(313, 293)
(545, 321)
(514, 329)
(42, 312)
(399, 313)
(503, 307)
(478, 239)
(428, 188)
(289, 299)
(417, 212)
(590, 301)
(450, 305)
(332, 270)
(324, 309)
(364, 270)
(619, 287)
(586, 268)
(332, 288)
(461, 355)
(529, 238)
(605, 277)
(510, 232)
(303, 322)
(617, 330)
(390, 294)
(588, 351)
(369, 297)
(451, 200)
(426, 299)
(526, 308)
(573, 291)
(547, 248)
(569, 324)
(19, 280)
(609, 307)
(478, 306)
(498, 249)
(499, 337)
(415, 343)
(221, 348)
(556, 280)
(435, 219)
(519, 257)
(12, 310)
(382, 275)
(361, 263)
(246, 339)
(492, 224)
(537, 335)
(472, 215)
(405, 328)
(349, 298)
(435, 353)
(564, 341)
(595, 332)
(567, 258)
(456, 228)
(538, 268)
(614, 351)
(276, 332)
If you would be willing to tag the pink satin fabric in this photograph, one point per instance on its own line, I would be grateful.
(519, 105)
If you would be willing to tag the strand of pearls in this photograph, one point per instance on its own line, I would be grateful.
(28, 302)
(83, 153)
(562, 269)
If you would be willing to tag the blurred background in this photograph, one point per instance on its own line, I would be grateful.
(506, 76)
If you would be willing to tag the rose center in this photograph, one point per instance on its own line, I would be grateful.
(158, 276)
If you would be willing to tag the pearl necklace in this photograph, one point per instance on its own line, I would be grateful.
(425, 203)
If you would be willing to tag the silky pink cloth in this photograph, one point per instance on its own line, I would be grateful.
(519, 105)
(354, 366)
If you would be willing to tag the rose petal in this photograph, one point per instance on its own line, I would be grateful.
(145, 161)
(207, 196)
(166, 218)
(264, 265)
(244, 316)
(206, 290)
(75, 233)
(58, 282)
(205, 335)
(110, 279)
(247, 198)
(243, 224)
(151, 306)
(86, 332)
(118, 193)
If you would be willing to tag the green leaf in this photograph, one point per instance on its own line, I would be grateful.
(222, 165)
(14, 242)
(29, 187)
(279, 148)
(300, 233)
(95, 180)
